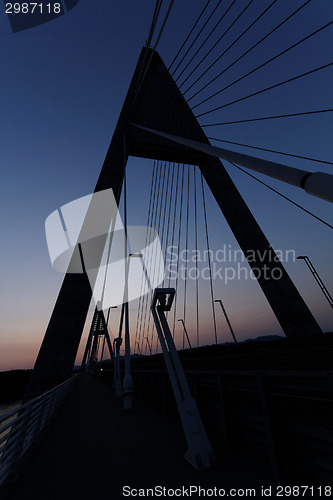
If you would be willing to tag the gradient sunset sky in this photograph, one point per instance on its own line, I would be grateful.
(62, 88)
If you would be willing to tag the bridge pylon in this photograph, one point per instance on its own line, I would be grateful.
(156, 102)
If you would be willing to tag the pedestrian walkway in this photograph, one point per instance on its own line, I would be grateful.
(94, 448)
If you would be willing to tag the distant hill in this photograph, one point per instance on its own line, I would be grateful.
(264, 338)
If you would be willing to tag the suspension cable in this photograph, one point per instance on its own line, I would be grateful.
(251, 48)
(150, 36)
(216, 43)
(196, 247)
(161, 201)
(169, 211)
(167, 201)
(272, 151)
(188, 36)
(149, 259)
(209, 260)
(140, 82)
(186, 247)
(110, 237)
(153, 213)
(267, 118)
(282, 195)
(179, 235)
(229, 47)
(174, 221)
(139, 315)
(270, 60)
(207, 21)
(154, 21)
(167, 198)
(206, 39)
(265, 89)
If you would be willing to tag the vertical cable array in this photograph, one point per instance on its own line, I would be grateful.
(186, 248)
(165, 226)
(178, 250)
(170, 185)
(172, 208)
(209, 259)
(158, 225)
(173, 212)
(174, 219)
(149, 218)
(196, 247)
(144, 302)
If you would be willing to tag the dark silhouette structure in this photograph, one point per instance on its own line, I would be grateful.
(154, 101)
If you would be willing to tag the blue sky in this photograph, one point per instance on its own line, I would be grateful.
(62, 89)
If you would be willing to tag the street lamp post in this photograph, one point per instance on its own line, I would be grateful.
(227, 319)
(185, 331)
(148, 344)
(317, 278)
(108, 316)
(107, 322)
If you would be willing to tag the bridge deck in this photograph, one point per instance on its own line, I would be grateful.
(94, 448)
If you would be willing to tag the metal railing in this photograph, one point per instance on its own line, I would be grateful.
(22, 427)
(284, 415)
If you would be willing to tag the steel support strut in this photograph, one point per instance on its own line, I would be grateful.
(199, 453)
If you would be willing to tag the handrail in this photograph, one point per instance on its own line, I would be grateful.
(248, 372)
(22, 427)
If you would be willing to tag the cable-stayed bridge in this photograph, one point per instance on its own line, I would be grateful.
(275, 398)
